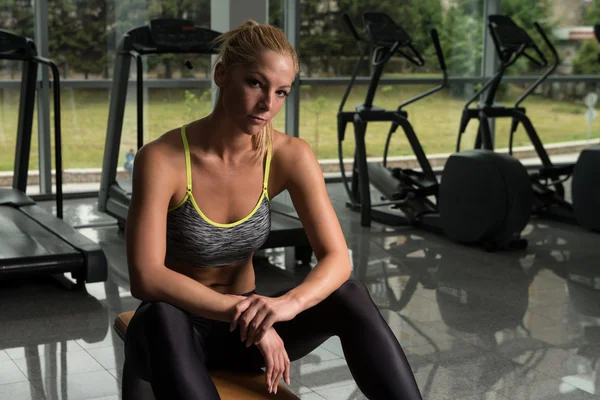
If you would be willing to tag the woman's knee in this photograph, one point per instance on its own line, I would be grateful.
(352, 289)
(161, 312)
(152, 326)
(153, 320)
(352, 295)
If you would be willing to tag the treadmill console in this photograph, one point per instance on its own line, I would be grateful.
(178, 33)
(15, 46)
(171, 36)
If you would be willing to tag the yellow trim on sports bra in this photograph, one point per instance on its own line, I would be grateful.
(189, 195)
(188, 162)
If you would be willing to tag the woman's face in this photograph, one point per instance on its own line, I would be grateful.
(253, 94)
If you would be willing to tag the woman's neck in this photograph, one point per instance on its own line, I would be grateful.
(222, 138)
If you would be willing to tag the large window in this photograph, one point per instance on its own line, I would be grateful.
(568, 24)
(83, 36)
(98, 27)
(556, 108)
(435, 120)
(16, 16)
(328, 50)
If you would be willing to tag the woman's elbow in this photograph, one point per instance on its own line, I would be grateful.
(141, 287)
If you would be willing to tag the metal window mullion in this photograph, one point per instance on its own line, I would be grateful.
(291, 17)
(489, 60)
(43, 98)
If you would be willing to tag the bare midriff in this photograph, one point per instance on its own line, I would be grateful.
(227, 279)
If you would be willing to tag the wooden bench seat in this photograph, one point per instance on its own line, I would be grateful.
(230, 385)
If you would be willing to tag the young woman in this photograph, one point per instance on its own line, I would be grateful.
(200, 208)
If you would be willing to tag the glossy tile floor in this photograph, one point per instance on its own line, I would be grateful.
(474, 325)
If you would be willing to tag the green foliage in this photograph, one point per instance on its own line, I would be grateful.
(592, 14)
(319, 105)
(586, 60)
(85, 33)
(461, 42)
(192, 102)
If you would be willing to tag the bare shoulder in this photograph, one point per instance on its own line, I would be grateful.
(293, 160)
(161, 152)
(157, 165)
(289, 150)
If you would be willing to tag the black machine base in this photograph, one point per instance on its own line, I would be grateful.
(486, 198)
(585, 188)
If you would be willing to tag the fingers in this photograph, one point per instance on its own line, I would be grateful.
(274, 373)
(245, 321)
(283, 371)
(239, 310)
(267, 324)
(286, 375)
(279, 373)
(269, 371)
(256, 327)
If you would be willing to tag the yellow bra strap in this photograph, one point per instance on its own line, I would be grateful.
(267, 166)
(188, 167)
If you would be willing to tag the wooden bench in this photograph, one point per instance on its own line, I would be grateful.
(230, 385)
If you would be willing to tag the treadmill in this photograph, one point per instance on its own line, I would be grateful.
(33, 241)
(172, 36)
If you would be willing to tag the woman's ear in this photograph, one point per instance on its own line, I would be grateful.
(221, 75)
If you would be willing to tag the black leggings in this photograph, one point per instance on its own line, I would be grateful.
(173, 350)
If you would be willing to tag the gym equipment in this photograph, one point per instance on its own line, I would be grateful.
(33, 241)
(512, 42)
(170, 36)
(483, 198)
(586, 194)
(231, 385)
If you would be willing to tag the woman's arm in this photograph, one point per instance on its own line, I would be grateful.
(150, 280)
(303, 178)
(306, 185)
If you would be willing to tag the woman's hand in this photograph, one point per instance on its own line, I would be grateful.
(257, 314)
(277, 362)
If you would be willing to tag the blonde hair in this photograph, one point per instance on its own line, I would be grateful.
(242, 45)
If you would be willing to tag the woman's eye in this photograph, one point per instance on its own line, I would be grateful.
(253, 82)
(282, 93)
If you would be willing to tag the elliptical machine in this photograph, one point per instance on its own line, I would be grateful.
(586, 194)
(484, 198)
(512, 42)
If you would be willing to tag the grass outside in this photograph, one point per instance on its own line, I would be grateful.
(435, 120)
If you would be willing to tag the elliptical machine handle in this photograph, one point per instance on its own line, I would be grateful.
(556, 58)
(386, 57)
(415, 58)
(438, 49)
(350, 25)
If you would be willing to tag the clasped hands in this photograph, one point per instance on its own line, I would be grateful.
(256, 315)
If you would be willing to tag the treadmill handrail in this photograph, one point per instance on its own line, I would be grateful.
(139, 96)
(57, 132)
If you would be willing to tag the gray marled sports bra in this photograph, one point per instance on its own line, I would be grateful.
(193, 238)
